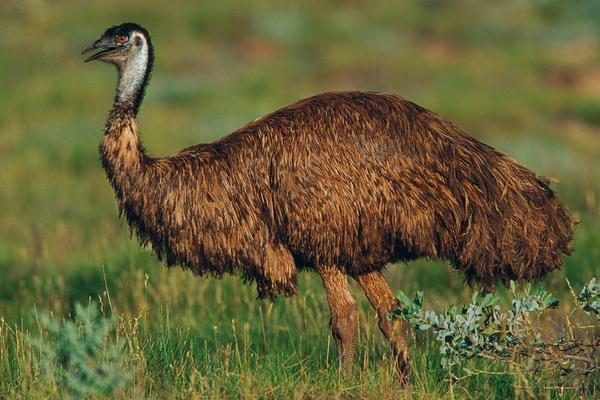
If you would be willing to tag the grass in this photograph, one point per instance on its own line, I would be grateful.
(518, 75)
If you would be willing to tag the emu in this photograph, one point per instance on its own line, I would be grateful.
(341, 184)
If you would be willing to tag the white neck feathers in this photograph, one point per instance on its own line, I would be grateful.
(131, 76)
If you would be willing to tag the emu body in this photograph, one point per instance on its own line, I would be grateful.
(339, 183)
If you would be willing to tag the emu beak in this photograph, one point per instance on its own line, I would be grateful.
(98, 44)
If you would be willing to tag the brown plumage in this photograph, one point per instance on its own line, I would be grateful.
(340, 183)
(355, 180)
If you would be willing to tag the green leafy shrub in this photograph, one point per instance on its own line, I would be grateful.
(483, 329)
(589, 298)
(79, 356)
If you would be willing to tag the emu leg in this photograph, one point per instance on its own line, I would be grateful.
(344, 317)
(383, 300)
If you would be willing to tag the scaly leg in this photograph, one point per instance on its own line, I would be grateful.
(344, 317)
(383, 300)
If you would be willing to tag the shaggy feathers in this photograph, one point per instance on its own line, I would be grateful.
(353, 180)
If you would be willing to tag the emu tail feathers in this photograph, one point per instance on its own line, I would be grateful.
(517, 229)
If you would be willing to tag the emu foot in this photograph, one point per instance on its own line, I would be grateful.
(402, 364)
(344, 332)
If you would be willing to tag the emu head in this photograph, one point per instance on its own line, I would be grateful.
(128, 47)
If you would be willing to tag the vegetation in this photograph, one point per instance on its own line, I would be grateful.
(77, 358)
(523, 76)
(511, 337)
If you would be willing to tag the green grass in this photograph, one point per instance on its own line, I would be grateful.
(491, 69)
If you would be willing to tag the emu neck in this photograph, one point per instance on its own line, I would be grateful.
(132, 79)
(134, 73)
(123, 156)
(121, 150)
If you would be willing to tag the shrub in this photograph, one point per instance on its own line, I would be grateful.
(483, 329)
(589, 298)
(79, 356)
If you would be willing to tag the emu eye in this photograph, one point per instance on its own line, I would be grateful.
(121, 39)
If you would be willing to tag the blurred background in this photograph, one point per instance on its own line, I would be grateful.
(522, 76)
